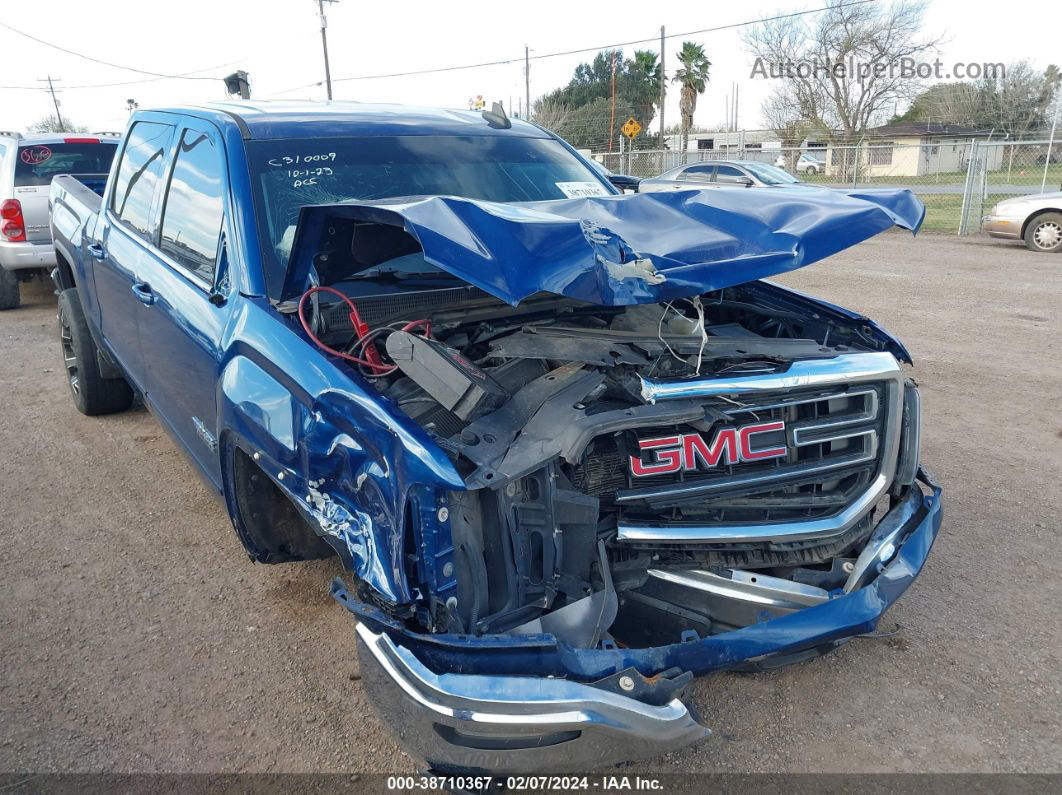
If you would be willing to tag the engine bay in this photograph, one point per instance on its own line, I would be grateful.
(543, 409)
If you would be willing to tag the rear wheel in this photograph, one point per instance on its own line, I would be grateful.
(9, 295)
(1044, 232)
(93, 394)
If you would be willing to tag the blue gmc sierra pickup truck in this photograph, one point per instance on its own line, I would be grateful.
(570, 447)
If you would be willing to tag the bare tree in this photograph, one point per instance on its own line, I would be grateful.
(51, 124)
(550, 113)
(841, 71)
(793, 119)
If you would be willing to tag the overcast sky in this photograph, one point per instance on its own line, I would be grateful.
(278, 43)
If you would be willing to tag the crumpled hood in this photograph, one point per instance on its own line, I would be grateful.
(626, 249)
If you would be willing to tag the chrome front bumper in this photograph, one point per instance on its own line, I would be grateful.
(513, 724)
(998, 226)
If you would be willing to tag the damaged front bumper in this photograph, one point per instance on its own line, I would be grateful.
(522, 703)
(470, 722)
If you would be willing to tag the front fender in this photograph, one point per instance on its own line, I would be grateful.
(341, 452)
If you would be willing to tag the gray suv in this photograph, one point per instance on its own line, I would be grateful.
(27, 165)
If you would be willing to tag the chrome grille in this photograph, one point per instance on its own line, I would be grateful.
(842, 421)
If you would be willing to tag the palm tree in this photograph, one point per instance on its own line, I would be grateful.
(646, 75)
(694, 79)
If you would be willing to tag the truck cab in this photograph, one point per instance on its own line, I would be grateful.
(569, 446)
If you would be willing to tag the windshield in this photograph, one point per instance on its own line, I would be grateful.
(36, 164)
(769, 175)
(289, 174)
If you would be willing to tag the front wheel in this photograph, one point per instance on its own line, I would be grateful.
(810, 170)
(93, 394)
(9, 293)
(1044, 233)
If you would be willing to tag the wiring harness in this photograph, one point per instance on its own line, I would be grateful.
(362, 351)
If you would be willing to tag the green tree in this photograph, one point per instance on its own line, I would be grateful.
(642, 84)
(601, 95)
(693, 77)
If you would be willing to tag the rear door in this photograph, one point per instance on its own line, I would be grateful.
(124, 233)
(87, 158)
(182, 326)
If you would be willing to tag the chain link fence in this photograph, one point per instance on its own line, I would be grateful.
(957, 179)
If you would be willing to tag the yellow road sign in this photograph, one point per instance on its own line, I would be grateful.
(631, 128)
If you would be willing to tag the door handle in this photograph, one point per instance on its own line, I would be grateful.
(96, 250)
(143, 293)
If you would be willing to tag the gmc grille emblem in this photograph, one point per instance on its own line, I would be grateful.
(689, 451)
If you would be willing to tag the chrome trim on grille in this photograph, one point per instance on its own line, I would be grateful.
(848, 368)
(840, 371)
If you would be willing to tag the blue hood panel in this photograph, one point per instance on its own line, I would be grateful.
(629, 249)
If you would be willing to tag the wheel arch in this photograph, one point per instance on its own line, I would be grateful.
(1035, 215)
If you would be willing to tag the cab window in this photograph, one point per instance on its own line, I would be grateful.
(194, 206)
(139, 173)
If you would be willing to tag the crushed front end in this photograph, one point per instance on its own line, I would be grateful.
(652, 490)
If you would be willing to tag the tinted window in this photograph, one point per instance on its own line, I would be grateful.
(729, 173)
(36, 164)
(699, 173)
(192, 214)
(771, 175)
(139, 172)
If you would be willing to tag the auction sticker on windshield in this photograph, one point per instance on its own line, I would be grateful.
(577, 190)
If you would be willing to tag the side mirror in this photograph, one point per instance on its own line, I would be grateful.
(726, 179)
(624, 182)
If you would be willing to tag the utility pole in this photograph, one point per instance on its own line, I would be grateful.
(324, 43)
(527, 82)
(1051, 142)
(663, 85)
(737, 95)
(51, 89)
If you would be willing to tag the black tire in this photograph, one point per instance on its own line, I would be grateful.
(1044, 233)
(9, 293)
(93, 394)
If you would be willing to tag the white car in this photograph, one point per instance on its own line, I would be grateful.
(27, 165)
(1036, 219)
(806, 164)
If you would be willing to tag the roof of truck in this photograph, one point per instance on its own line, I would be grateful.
(264, 119)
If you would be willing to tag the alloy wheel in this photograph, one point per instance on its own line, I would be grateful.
(66, 339)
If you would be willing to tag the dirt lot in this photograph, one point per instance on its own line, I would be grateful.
(136, 636)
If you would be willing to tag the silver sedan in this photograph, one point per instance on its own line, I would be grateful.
(719, 174)
(1036, 219)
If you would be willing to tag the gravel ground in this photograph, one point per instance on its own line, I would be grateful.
(137, 636)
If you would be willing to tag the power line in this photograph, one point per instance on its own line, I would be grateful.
(579, 51)
(99, 61)
(131, 82)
